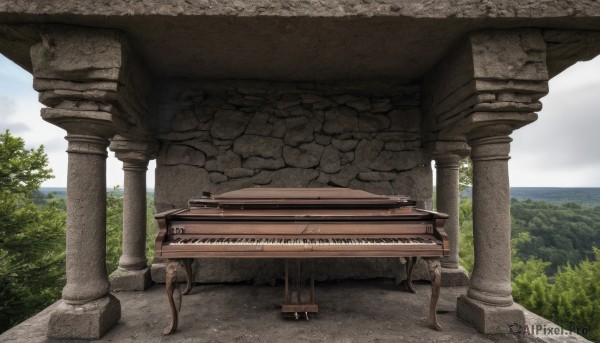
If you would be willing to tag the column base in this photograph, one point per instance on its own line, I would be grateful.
(86, 321)
(455, 277)
(489, 319)
(130, 280)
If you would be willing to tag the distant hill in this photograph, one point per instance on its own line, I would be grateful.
(553, 195)
(61, 192)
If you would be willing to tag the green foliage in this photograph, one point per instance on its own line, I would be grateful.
(114, 229)
(569, 298)
(466, 248)
(32, 236)
(465, 174)
(151, 228)
(21, 170)
(559, 233)
(573, 300)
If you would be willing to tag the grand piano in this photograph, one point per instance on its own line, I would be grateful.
(299, 224)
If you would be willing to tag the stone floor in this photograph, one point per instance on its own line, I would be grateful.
(349, 311)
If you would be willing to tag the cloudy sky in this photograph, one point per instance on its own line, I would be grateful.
(561, 149)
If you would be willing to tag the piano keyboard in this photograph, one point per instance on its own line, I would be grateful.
(302, 241)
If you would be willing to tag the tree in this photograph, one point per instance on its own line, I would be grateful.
(465, 174)
(32, 252)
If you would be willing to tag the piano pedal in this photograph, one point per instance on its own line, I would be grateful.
(297, 316)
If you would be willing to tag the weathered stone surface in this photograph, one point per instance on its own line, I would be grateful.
(259, 125)
(182, 154)
(323, 178)
(207, 148)
(412, 183)
(224, 161)
(340, 119)
(264, 163)
(405, 120)
(298, 111)
(312, 98)
(398, 136)
(377, 187)
(236, 173)
(217, 177)
(376, 176)
(347, 157)
(293, 177)
(361, 104)
(343, 177)
(262, 178)
(366, 152)
(381, 105)
(404, 145)
(306, 155)
(372, 122)
(250, 145)
(87, 321)
(322, 139)
(287, 100)
(204, 113)
(229, 124)
(170, 192)
(184, 136)
(279, 129)
(130, 280)
(184, 121)
(397, 160)
(344, 145)
(330, 160)
(299, 130)
(488, 319)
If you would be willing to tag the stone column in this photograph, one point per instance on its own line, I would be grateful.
(133, 273)
(93, 86)
(87, 309)
(488, 303)
(487, 87)
(447, 156)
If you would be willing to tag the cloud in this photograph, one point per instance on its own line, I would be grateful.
(8, 108)
(562, 148)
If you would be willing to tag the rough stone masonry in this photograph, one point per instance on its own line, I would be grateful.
(228, 135)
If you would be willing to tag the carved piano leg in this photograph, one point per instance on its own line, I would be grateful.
(172, 284)
(187, 265)
(410, 266)
(435, 270)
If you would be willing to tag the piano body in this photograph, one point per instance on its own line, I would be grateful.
(299, 223)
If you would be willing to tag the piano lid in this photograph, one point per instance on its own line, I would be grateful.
(270, 198)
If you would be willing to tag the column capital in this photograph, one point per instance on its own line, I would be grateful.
(134, 152)
(91, 80)
(447, 154)
(490, 148)
(493, 80)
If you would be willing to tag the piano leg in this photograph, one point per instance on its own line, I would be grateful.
(187, 265)
(410, 266)
(171, 284)
(435, 270)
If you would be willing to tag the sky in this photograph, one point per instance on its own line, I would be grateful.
(560, 149)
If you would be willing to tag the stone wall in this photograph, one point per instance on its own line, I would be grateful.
(224, 136)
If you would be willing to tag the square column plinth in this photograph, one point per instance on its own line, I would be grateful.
(455, 277)
(89, 321)
(130, 280)
(489, 319)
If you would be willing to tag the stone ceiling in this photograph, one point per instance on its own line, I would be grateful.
(308, 40)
